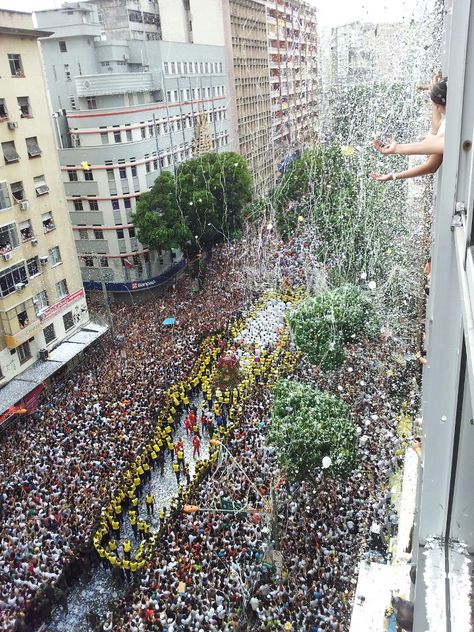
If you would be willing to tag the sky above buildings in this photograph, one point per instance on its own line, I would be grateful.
(331, 12)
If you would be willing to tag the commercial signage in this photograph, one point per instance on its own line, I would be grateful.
(136, 286)
(64, 302)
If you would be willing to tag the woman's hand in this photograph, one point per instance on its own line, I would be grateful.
(387, 148)
(381, 177)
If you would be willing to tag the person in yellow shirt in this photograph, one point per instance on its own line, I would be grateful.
(176, 470)
(126, 548)
(150, 504)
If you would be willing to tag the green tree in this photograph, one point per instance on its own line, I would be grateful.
(330, 191)
(158, 218)
(308, 425)
(322, 325)
(201, 205)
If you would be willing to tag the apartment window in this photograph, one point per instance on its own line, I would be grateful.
(123, 173)
(3, 110)
(220, 66)
(72, 174)
(21, 314)
(133, 169)
(151, 130)
(78, 206)
(72, 103)
(49, 334)
(24, 352)
(127, 203)
(41, 301)
(17, 191)
(9, 152)
(62, 46)
(110, 175)
(173, 68)
(48, 222)
(16, 67)
(61, 289)
(91, 103)
(83, 233)
(131, 232)
(68, 321)
(4, 196)
(115, 205)
(26, 231)
(93, 205)
(120, 233)
(88, 262)
(67, 72)
(166, 68)
(104, 138)
(32, 147)
(54, 255)
(175, 96)
(88, 175)
(8, 238)
(98, 234)
(104, 262)
(12, 276)
(118, 137)
(129, 135)
(40, 185)
(33, 266)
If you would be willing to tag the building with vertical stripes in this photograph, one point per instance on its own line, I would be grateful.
(125, 107)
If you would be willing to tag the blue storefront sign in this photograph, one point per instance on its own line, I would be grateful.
(137, 286)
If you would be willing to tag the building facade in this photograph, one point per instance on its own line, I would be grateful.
(42, 300)
(125, 110)
(294, 76)
(245, 27)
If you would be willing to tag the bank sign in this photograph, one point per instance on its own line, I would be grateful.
(136, 286)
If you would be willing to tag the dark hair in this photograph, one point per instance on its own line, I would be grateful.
(439, 92)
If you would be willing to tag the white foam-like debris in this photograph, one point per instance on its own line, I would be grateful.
(262, 331)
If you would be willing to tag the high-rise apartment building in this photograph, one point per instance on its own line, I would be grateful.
(294, 77)
(245, 26)
(42, 300)
(272, 47)
(126, 110)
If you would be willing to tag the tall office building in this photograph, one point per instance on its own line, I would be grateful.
(245, 27)
(294, 75)
(42, 300)
(126, 110)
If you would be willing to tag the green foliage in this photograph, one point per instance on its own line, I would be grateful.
(308, 425)
(331, 194)
(199, 206)
(323, 324)
(158, 219)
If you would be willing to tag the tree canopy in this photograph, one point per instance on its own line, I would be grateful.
(200, 205)
(307, 426)
(322, 325)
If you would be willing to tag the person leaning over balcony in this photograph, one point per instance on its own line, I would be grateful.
(432, 145)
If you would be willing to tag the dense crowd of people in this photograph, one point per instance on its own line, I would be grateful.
(214, 570)
(59, 467)
(209, 570)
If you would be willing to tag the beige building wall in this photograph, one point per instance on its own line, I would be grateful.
(174, 18)
(207, 23)
(41, 296)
